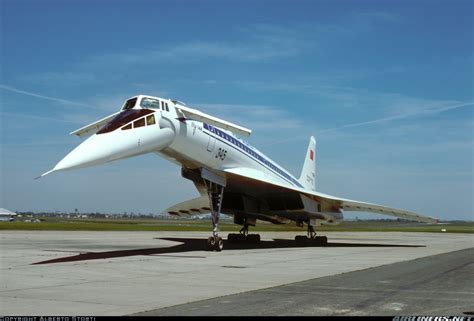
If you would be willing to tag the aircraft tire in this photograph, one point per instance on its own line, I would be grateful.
(301, 238)
(254, 238)
(322, 240)
(234, 238)
(231, 237)
(211, 243)
(219, 244)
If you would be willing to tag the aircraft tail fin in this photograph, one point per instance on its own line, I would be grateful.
(308, 173)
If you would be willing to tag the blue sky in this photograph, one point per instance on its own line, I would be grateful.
(385, 86)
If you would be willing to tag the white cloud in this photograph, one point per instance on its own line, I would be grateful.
(417, 112)
(255, 117)
(341, 104)
(97, 106)
(36, 117)
(260, 43)
(64, 77)
(257, 44)
(63, 102)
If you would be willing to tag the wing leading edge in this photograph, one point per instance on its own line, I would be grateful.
(345, 204)
(93, 127)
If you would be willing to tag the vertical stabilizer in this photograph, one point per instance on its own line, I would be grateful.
(308, 173)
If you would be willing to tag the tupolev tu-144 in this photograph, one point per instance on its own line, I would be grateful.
(232, 176)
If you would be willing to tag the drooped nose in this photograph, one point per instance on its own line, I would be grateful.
(92, 151)
(103, 148)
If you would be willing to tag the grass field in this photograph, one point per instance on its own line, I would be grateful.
(113, 224)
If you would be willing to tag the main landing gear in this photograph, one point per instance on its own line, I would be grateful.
(311, 237)
(244, 236)
(216, 193)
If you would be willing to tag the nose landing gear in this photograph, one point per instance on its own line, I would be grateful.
(215, 243)
(216, 194)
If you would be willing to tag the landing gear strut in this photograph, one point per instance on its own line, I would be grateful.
(311, 232)
(311, 237)
(244, 236)
(215, 193)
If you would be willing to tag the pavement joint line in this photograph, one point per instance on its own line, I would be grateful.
(69, 301)
(370, 290)
(47, 287)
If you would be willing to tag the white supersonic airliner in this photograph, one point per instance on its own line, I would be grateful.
(231, 176)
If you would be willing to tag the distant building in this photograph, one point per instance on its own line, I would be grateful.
(6, 215)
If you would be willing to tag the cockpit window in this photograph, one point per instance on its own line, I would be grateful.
(129, 126)
(150, 120)
(130, 104)
(139, 123)
(124, 118)
(150, 103)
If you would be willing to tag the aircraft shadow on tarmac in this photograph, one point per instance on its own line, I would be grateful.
(194, 244)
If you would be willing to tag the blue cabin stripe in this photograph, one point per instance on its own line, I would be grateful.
(251, 153)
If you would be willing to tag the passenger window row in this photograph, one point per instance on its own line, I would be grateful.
(150, 120)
